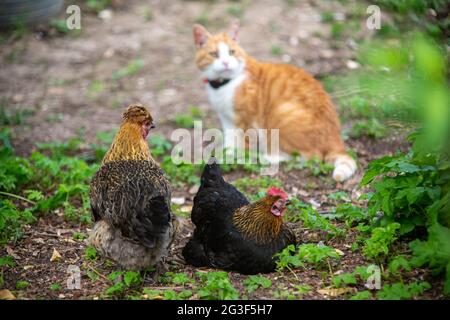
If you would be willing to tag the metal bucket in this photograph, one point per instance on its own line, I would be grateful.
(28, 12)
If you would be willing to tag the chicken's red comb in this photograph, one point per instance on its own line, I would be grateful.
(273, 191)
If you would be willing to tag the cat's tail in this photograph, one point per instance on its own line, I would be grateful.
(344, 166)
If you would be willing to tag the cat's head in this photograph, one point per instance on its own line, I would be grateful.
(218, 56)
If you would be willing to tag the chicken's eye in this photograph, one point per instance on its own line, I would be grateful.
(214, 54)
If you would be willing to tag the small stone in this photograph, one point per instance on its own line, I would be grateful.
(339, 16)
(177, 60)
(187, 208)
(109, 53)
(105, 14)
(314, 203)
(352, 64)
(326, 53)
(18, 97)
(194, 189)
(178, 200)
(293, 41)
(286, 58)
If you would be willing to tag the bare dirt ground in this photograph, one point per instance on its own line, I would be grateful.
(51, 75)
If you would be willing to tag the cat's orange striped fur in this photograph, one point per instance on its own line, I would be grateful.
(269, 96)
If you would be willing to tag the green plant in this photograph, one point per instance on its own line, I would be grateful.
(248, 185)
(371, 127)
(95, 88)
(315, 165)
(434, 253)
(8, 118)
(6, 261)
(254, 282)
(181, 173)
(284, 293)
(148, 14)
(216, 286)
(380, 240)
(399, 291)
(55, 286)
(302, 289)
(318, 255)
(132, 68)
(123, 281)
(90, 253)
(79, 236)
(12, 220)
(22, 284)
(351, 214)
(236, 11)
(406, 192)
(344, 279)
(399, 263)
(327, 16)
(60, 25)
(159, 145)
(362, 295)
(97, 5)
(276, 50)
(177, 278)
(339, 196)
(337, 28)
(299, 211)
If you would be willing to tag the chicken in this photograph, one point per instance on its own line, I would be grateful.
(130, 198)
(233, 234)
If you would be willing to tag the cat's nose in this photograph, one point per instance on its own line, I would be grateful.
(225, 63)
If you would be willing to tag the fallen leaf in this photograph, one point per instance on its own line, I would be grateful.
(55, 256)
(55, 90)
(334, 292)
(155, 297)
(38, 240)
(11, 252)
(5, 294)
(339, 252)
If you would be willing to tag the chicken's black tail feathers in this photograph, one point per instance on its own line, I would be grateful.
(212, 176)
(194, 253)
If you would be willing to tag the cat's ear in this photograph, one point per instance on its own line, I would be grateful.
(233, 31)
(201, 35)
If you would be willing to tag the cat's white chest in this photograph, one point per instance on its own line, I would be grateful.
(222, 101)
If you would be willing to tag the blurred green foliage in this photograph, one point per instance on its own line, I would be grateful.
(413, 189)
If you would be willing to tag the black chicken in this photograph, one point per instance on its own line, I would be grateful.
(233, 234)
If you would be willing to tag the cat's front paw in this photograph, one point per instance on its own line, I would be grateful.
(344, 169)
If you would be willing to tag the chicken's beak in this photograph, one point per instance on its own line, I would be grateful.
(152, 125)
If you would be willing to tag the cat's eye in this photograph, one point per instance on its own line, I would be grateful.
(214, 54)
(232, 52)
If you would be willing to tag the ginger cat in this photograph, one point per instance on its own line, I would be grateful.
(248, 93)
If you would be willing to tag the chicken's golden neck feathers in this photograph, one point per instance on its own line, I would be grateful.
(256, 222)
(128, 144)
